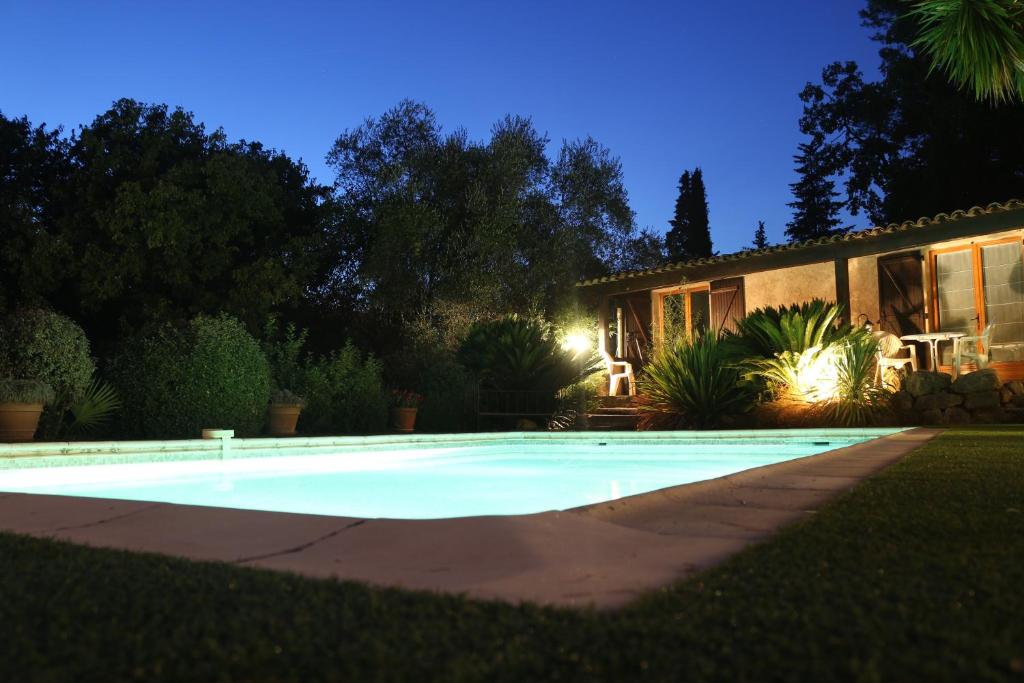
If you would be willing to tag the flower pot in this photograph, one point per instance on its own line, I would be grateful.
(403, 419)
(18, 421)
(283, 419)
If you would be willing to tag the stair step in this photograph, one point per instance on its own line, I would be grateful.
(606, 410)
(612, 422)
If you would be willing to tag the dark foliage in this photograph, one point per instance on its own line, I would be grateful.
(37, 344)
(514, 353)
(815, 207)
(179, 380)
(760, 236)
(344, 393)
(911, 144)
(690, 234)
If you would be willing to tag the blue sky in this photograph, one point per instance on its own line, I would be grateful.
(665, 85)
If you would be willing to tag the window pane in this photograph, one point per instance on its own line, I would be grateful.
(700, 311)
(1003, 275)
(674, 316)
(954, 275)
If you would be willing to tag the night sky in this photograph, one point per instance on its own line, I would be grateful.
(666, 86)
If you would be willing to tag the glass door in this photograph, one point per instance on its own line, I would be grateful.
(956, 300)
(978, 286)
(1003, 282)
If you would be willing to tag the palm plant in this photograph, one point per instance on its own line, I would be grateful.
(694, 382)
(516, 353)
(769, 331)
(94, 408)
(978, 43)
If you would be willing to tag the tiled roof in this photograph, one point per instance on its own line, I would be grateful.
(924, 222)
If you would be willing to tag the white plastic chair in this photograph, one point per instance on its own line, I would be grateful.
(890, 348)
(979, 353)
(615, 378)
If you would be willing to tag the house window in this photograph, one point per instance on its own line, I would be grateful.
(981, 285)
(684, 313)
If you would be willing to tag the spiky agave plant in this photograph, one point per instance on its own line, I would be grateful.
(979, 44)
(694, 382)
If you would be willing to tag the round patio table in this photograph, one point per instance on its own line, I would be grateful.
(933, 339)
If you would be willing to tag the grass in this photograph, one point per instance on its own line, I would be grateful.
(915, 575)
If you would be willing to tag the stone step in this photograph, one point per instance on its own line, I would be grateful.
(616, 401)
(603, 422)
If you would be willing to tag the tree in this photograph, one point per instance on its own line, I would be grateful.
(760, 236)
(911, 145)
(446, 230)
(164, 221)
(815, 209)
(33, 161)
(978, 43)
(690, 234)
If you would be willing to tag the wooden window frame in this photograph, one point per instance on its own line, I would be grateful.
(688, 291)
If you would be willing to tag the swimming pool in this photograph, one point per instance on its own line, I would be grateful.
(413, 477)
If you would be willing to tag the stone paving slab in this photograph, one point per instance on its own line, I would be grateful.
(602, 555)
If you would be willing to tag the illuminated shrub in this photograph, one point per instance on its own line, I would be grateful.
(693, 383)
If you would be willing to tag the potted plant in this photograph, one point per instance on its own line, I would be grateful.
(285, 407)
(282, 347)
(404, 404)
(21, 404)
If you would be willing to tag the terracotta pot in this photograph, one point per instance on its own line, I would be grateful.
(403, 419)
(283, 419)
(18, 421)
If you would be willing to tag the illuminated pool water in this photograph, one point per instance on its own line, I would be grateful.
(408, 477)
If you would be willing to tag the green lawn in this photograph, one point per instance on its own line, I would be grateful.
(917, 575)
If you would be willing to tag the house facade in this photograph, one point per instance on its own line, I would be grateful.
(957, 272)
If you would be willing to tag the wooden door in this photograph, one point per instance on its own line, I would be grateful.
(728, 304)
(901, 293)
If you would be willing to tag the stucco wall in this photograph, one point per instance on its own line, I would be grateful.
(790, 285)
(864, 287)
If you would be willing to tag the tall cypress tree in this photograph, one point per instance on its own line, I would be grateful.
(815, 209)
(690, 235)
(760, 236)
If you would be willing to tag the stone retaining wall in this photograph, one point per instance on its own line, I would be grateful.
(978, 397)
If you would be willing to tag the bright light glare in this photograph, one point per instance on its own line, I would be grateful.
(577, 342)
(817, 375)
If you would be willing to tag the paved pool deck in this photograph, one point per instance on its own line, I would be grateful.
(602, 555)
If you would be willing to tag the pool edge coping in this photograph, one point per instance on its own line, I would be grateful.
(618, 547)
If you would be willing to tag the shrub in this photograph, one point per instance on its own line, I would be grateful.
(25, 391)
(769, 331)
(283, 349)
(858, 400)
(178, 381)
(48, 347)
(344, 394)
(444, 385)
(514, 353)
(693, 382)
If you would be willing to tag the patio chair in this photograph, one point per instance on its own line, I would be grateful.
(890, 350)
(615, 378)
(975, 348)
